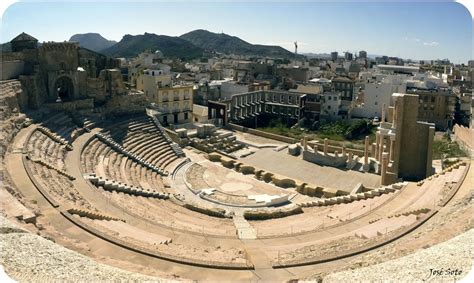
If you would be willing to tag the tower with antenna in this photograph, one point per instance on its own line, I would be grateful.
(296, 47)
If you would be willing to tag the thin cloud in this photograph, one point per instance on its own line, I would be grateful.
(431, 44)
(411, 39)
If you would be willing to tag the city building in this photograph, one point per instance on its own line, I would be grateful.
(331, 106)
(175, 104)
(345, 86)
(436, 106)
(395, 69)
(148, 80)
(377, 93)
(147, 60)
(348, 56)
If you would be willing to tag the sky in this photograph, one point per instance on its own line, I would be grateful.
(421, 30)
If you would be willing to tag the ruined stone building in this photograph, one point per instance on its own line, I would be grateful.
(63, 75)
(403, 145)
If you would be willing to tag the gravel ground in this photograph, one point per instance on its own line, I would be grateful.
(448, 261)
(26, 257)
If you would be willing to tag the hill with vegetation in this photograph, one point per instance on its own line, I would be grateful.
(171, 47)
(227, 44)
(92, 41)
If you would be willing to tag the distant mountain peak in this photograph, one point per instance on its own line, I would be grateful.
(93, 41)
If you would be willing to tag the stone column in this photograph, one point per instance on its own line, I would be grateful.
(390, 148)
(305, 143)
(343, 150)
(366, 151)
(384, 168)
(349, 158)
(383, 113)
(381, 147)
(372, 153)
(394, 117)
(325, 146)
(377, 145)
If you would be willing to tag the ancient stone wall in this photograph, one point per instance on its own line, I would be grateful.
(326, 160)
(12, 69)
(465, 138)
(126, 104)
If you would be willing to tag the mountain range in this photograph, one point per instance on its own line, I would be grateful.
(190, 45)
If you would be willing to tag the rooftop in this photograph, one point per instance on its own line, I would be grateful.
(24, 37)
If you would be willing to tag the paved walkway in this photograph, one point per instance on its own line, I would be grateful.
(244, 230)
(282, 163)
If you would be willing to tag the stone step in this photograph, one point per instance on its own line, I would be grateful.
(244, 230)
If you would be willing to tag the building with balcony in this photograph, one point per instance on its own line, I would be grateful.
(345, 86)
(175, 104)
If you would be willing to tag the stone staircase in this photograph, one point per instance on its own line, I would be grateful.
(177, 150)
(92, 214)
(117, 147)
(111, 185)
(244, 230)
(444, 171)
(412, 211)
(49, 166)
(55, 137)
(174, 146)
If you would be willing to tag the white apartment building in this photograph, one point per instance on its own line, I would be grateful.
(331, 103)
(149, 80)
(377, 92)
(175, 104)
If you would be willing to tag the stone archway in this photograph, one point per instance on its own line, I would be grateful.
(64, 88)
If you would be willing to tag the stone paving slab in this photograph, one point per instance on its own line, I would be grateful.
(295, 167)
